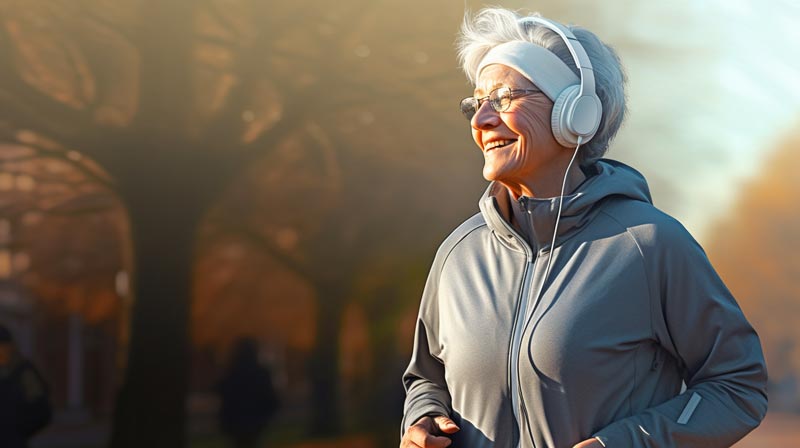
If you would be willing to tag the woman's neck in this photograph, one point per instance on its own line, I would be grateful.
(548, 186)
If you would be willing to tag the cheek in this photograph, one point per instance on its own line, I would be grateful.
(532, 123)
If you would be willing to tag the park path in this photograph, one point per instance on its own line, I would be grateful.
(348, 442)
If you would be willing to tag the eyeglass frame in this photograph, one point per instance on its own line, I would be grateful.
(513, 94)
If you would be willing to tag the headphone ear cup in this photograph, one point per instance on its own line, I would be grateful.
(558, 118)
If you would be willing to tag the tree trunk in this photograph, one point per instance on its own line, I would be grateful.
(383, 403)
(324, 365)
(150, 409)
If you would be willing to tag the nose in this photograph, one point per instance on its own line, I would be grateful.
(486, 117)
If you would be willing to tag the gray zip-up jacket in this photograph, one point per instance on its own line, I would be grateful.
(631, 310)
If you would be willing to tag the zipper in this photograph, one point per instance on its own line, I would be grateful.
(516, 341)
(520, 314)
(530, 299)
(534, 300)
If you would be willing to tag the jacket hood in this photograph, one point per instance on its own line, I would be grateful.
(536, 216)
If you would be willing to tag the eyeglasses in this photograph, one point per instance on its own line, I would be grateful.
(499, 98)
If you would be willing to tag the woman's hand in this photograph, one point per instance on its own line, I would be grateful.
(589, 443)
(421, 433)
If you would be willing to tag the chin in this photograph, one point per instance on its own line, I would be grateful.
(491, 173)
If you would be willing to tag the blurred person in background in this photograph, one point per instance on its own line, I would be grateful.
(24, 398)
(248, 397)
(569, 312)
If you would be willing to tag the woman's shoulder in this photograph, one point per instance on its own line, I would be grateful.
(463, 231)
(645, 222)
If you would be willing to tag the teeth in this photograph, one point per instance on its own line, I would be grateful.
(496, 143)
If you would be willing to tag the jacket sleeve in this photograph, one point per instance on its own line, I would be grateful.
(698, 322)
(424, 379)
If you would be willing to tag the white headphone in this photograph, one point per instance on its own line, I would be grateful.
(577, 110)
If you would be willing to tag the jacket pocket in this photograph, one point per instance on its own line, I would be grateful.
(657, 353)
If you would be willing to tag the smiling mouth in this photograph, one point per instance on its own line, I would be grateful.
(498, 144)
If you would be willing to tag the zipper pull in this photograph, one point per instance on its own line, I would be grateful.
(655, 363)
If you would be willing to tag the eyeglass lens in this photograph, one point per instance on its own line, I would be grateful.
(499, 99)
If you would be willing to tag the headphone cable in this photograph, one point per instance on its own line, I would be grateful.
(558, 215)
(547, 269)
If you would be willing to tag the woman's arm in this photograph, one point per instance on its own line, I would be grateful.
(424, 379)
(697, 320)
(426, 390)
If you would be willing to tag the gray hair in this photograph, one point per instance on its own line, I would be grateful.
(494, 26)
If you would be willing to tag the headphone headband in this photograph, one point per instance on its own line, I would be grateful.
(575, 49)
(577, 112)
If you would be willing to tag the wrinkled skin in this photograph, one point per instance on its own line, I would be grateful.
(534, 164)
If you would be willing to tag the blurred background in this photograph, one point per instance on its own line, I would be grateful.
(177, 176)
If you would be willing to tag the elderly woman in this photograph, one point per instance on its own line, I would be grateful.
(583, 319)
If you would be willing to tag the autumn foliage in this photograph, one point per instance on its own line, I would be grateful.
(755, 251)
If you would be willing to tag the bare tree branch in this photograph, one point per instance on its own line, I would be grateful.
(46, 180)
(228, 227)
(95, 176)
(15, 212)
(101, 22)
(28, 107)
(215, 10)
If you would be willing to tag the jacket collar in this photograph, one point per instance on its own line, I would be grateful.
(530, 221)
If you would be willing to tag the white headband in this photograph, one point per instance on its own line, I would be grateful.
(540, 66)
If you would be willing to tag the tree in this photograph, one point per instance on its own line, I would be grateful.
(69, 268)
(755, 250)
(171, 105)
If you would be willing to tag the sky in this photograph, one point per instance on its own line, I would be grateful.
(712, 90)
